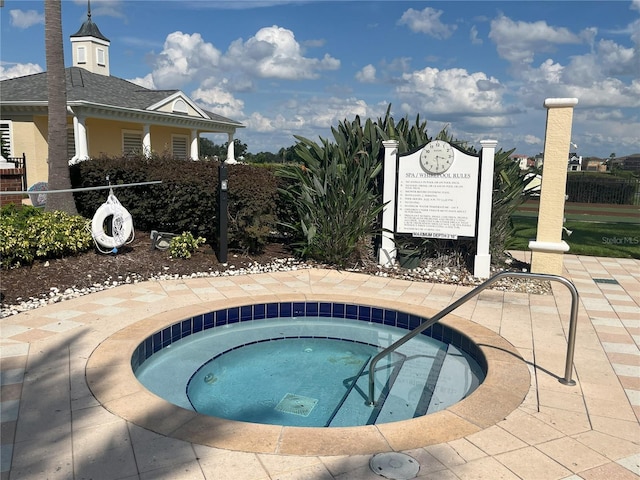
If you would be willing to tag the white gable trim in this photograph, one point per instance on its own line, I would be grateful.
(172, 98)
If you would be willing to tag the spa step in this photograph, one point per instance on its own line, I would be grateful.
(351, 411)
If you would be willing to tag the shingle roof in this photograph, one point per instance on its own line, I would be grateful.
(83, 85)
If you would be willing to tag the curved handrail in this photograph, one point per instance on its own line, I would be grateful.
(571, 340)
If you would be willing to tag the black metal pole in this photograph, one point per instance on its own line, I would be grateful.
(223, 201)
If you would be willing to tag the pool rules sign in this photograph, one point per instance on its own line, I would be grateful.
(438, 191)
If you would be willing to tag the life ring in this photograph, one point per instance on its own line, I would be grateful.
(121, 224)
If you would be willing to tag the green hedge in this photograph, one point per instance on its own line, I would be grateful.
(187, 198)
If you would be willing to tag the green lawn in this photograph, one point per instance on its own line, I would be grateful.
(621, 240)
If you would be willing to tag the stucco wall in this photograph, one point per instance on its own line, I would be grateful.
(105, 136)
(30, 138)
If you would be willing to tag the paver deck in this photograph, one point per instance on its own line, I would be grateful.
(54, 428)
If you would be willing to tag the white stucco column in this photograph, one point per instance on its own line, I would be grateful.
(482, 261)
(231, 156)
(80, 139)
(146, 140)
(387, 252)
(195, 152)
(548, 248)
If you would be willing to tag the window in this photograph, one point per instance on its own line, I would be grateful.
(180, 106)
(131, 142)
(82, 54)
(100, 56)
(179, 146)
(5, 135)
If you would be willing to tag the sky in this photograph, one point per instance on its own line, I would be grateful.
(483, 69)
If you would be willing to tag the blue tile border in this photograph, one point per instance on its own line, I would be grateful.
(227, 316)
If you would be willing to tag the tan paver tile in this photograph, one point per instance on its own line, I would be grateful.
(467, 450)
(342, 464)
(154, 451)
(483, 469)
(228, 465)
(610, 471)
(278, 465)
(627, 430)
(566, 421)
(183, 471)
(35, 460)
(572, 454)
(529, 464)
(494, 440)
(31, 336)
(445, 454)
(611, 447)
(529, 429)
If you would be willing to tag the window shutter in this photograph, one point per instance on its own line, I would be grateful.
(71, 144)
(131, 143)
(179, 147)
(5, 134)
(100, 55)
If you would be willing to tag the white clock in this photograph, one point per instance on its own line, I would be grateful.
(436, 157)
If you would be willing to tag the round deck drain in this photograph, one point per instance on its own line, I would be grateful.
(394, 465)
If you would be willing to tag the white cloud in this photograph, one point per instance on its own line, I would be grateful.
(146, 81)
(309, 116)
(473, 36)
(452, 92)
(19, 70)
(532, 140)
(185, 58)
(367, 74)
(218, 100)
(25, 19)
(273, 52)
(427, 21)
(607, 130)
(584, 79)
(518, 42)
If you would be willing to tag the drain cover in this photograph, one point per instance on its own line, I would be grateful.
(611, 281)
(296, 404)
(394, 465)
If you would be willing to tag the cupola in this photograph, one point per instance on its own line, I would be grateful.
(90, 48)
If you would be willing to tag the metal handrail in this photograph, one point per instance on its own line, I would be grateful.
(571, 340)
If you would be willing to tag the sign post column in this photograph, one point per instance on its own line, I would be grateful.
(482, 261)
(387, 252)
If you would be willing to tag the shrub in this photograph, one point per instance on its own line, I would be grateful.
(183, 245)
(187, 198)
(29, 233)
(332, 194)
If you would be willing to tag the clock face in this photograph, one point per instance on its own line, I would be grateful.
(436, 157)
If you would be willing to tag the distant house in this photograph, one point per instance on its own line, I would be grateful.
(630, 162)
(107, 115)
(521, 160)
(595, 165)
(575, 163)
(538, 160)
